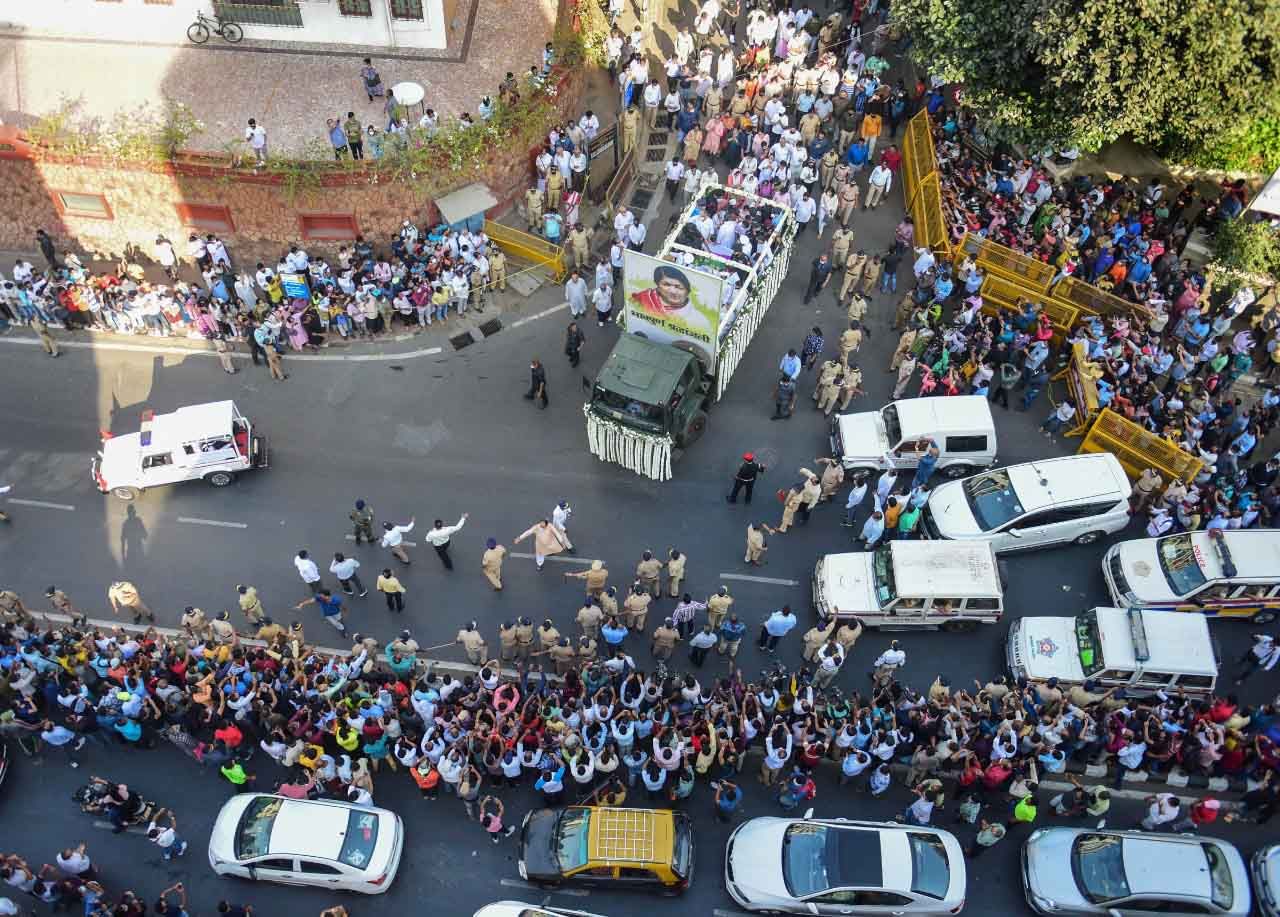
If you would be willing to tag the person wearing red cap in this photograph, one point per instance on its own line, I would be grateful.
(1203, 812)
(746, 477)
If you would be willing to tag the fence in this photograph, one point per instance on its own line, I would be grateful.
(526, 247)
(1138, 448)
(922, 187)
(620, 184)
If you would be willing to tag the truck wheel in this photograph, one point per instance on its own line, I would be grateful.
(697, 426)
(127, 494)
(960, 627)
(219, 478)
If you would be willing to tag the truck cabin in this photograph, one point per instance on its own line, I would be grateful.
(651, 387)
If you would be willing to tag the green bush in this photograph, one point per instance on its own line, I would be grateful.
(1253, 147)
(1248, 246)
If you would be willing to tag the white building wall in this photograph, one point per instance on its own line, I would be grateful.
(135, 20)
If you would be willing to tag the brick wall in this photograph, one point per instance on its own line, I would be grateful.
(141, 199)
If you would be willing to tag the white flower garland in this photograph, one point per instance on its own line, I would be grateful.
(643, 453)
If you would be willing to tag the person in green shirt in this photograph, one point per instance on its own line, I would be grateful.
(1025, 811)
(236, 776)
(989, 834)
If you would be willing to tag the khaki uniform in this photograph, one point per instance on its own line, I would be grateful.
(193, 622)
(852, 386)
(664, 641)
(475, 646)
(563, 657)
(789, 508)
(46, 339)
(609, 605)
(13, 610)
(362, 524)
(63, 605)
(827, 168)
(524, 640)
(814, 639)
(497, 269)
(841, 240)
(848, 202)
(871, 276)
(904, 347)
(857, 309)
(675, 575)
(532, 211)
(755, 546)
(848, 634)
(853, 267)
(555, 187)
(126, 594)
(579, 247)
(251, 605)
(506, 643)
(587, 650)
(717, 609)
(630, 127)
(222, 631)
(548, 636)
(850, 341)
(635, 610)
(905, 307)
(712, 104)
(596, 580)
(274, 363)
(491, 564)
(648, 572)
(832, 477)
(828, 395)
(589, 618)
(827, 375)
(272, 633)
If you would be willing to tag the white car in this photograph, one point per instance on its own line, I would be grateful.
(1075, 498)
(837, 866)
(520, 909)
(303, 842)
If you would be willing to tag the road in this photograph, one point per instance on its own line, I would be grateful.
(434, 436)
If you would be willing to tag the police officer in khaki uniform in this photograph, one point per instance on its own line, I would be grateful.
(848, 633)
(491, 563)
(718, 606)
(12, 610)
(507, 641)
(755, 542)
(609, 602)
(404, 644)
(123, 593)
(579, 245)
(532, 211)
(853, 266)
(222, 629)
(635, 609)
(857, 309)
(630, 124)
(848, 201)
(193, 621)
(271, 632)
(589, 618)
(648, 572)
(850, 341)
(362, 522)
(597, 577)
(555, 187)
(841, 240)
(473, 643)
(905, 343)
(828, 394)
(497, 268)
(59, 602)
(587, 649)
(563, 655)
(665, 638)
(851, 386)
(524, 637)
(548, 636)
(251, 605)
(46, 339)
(675, 572)
(827, 168)
(814, 638)
(826, 375)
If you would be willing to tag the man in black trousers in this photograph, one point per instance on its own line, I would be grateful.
(748, 471)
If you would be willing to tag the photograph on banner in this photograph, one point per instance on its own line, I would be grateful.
(672, 304)
(733, 278)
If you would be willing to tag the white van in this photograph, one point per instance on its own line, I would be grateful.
(1131, 648)
(899, 433)
(907, 585)
(1076, 498)
(1221, 573)
(201, 442)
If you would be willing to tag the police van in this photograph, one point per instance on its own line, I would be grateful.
(201, 442)
(899, 434)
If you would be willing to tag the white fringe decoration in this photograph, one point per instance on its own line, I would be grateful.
(643, 453)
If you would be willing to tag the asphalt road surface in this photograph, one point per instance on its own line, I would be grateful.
(434, 436)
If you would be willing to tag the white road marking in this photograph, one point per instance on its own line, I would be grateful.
(182, 351)
(215, 522)
(543, 314)
(407, 544)
(43, 503)
(760, 579)
(586, 561)
(529, 886)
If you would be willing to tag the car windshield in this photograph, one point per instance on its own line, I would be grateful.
(992, 499)
(882, 570)
(361, 836)
(804, 860)
(682, 863)
(1097, 864)
(1089, 643)
(253, 834)
(637, 411)
(1180, 564)
(1219, 876)
(930, 874)
(892, 428)
(570, 839)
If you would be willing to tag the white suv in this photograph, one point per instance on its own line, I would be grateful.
(1075, 498)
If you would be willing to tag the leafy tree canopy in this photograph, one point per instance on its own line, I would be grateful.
(1085, 72)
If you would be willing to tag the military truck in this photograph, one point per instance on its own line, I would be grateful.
(653, 388)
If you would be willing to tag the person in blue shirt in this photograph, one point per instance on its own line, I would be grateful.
(127, 729)
(330, 606)
(857, 154)
(731, 631)
(337, 138)
(790, 365)
(614, 633)
(728, 798)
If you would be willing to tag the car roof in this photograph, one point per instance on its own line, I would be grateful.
(640, 369)
(1068, 479)
(926, 416)
(310, 827)
(1255, 554)
(618, 835)
(1176, 641)
(1165, 866)
(957, 569)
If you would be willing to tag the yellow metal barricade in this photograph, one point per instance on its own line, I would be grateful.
(1138, 448)
(922, 188)
(530, 248)
(1089, 299)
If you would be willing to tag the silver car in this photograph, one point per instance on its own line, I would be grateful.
(1265, 867)
(836, 866)
(1121, 873)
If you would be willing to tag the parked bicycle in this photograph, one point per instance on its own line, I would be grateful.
(200, 30)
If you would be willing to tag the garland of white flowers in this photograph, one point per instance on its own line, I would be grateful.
(643, 453)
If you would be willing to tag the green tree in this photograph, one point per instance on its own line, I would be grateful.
(1085, 72)
(1251, 247)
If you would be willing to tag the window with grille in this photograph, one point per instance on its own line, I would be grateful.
(82, 204)
(355, 7)
(206, 217)
(406, 9)
(328, 227)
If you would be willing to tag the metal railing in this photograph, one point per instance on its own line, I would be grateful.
(285, 13)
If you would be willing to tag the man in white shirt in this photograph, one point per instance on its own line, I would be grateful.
(675, 172)
(296, 259)
(636, 234)
(344, 568)
(439, 538)
(652, 99)
(878, 185)
(393, 539)
(805, 210)
(308, 570)
(590, 124)
(256, 136)
(888, 662)
(1164, 808)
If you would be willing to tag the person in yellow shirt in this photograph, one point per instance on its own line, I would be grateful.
(392, 590)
